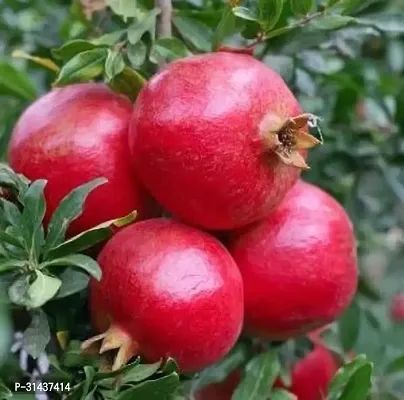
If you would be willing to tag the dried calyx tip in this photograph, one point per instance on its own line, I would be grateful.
(113, 339)
(286, 138)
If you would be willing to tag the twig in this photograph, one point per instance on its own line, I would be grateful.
(163, 28)
(280, 31)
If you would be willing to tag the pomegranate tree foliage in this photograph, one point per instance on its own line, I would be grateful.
(345, 61)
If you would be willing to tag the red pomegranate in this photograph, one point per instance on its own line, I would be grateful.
(312, 375)
(71, 136)
(219, 139)
(397, 308)
(299, 265)
(168, 290)
(310, 378)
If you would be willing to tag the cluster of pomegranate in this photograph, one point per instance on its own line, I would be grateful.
(219, 141)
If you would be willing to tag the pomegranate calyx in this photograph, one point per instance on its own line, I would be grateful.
(286, 137)
(113, 339)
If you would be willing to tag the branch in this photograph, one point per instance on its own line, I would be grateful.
(163, 28)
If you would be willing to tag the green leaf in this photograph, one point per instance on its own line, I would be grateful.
(72, 48)
(18, 291)
(269, 13)
(301, 7)
(194, 32)
(386, 22)
(37, 335)
(83, 67)
(129, 83)
(158, 389)
(43, 289)
(16, 83)
(114, 65)
(73, 281)
(109, 39)
(43, 62)
(89, 373)
(260, 374)
(349, 325)
(168, 48)
(10, 264)
(222, 369)
(125, 8)
(5, 334)
(225, 28)
(89, 238)
(359, 384)
(69, 209)
(344, 375)
(34, 206)
(5, 392)
(244, 13)
(282, 394)
(76, 260)
(397, 365)
(7, 238)
(12, 213)
(140, 372)
(120, 372)
(137, 53)
(351, 5)
(331, 22)
(145, 22)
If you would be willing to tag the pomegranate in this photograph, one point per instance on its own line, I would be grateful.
(219, 139)
(397, 308)
(222, 390)
(168, 290)
(312, 374)
(299, 265)
(71, 136)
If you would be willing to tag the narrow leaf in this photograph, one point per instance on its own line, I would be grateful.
(144, 22)
(73, 281)
(7, 238)
(225, 28)
(89, 238)
(349, 325)
(37, 335)
(260, 374)
(244, 13)
(137, 53)
(83, 67)
(16, 83)
(69, 209)
(129, 82)
(330, 22)
(140, 372)
(109, 39)
(10, 264)
(43, 289)
(44, 62)
(282, 394)
(158, 389)
(114, 65)
(360, 384)
(168, 48)
(72, 48)
(301, 7)
(76, 260)
(269, 13)
(194, 32)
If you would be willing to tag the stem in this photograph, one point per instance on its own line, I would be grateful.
(163, 28)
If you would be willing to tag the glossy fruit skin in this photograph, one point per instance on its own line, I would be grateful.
(197, 141)
(175, 290)
(222, 390)
(299, 265)
(397, 308)
(71, 136)
(312, 375)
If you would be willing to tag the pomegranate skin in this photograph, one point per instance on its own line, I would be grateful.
(71, 136)
(174, 290)
(397, 308)
(299, 265)
(196, 138)
(222, 390)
